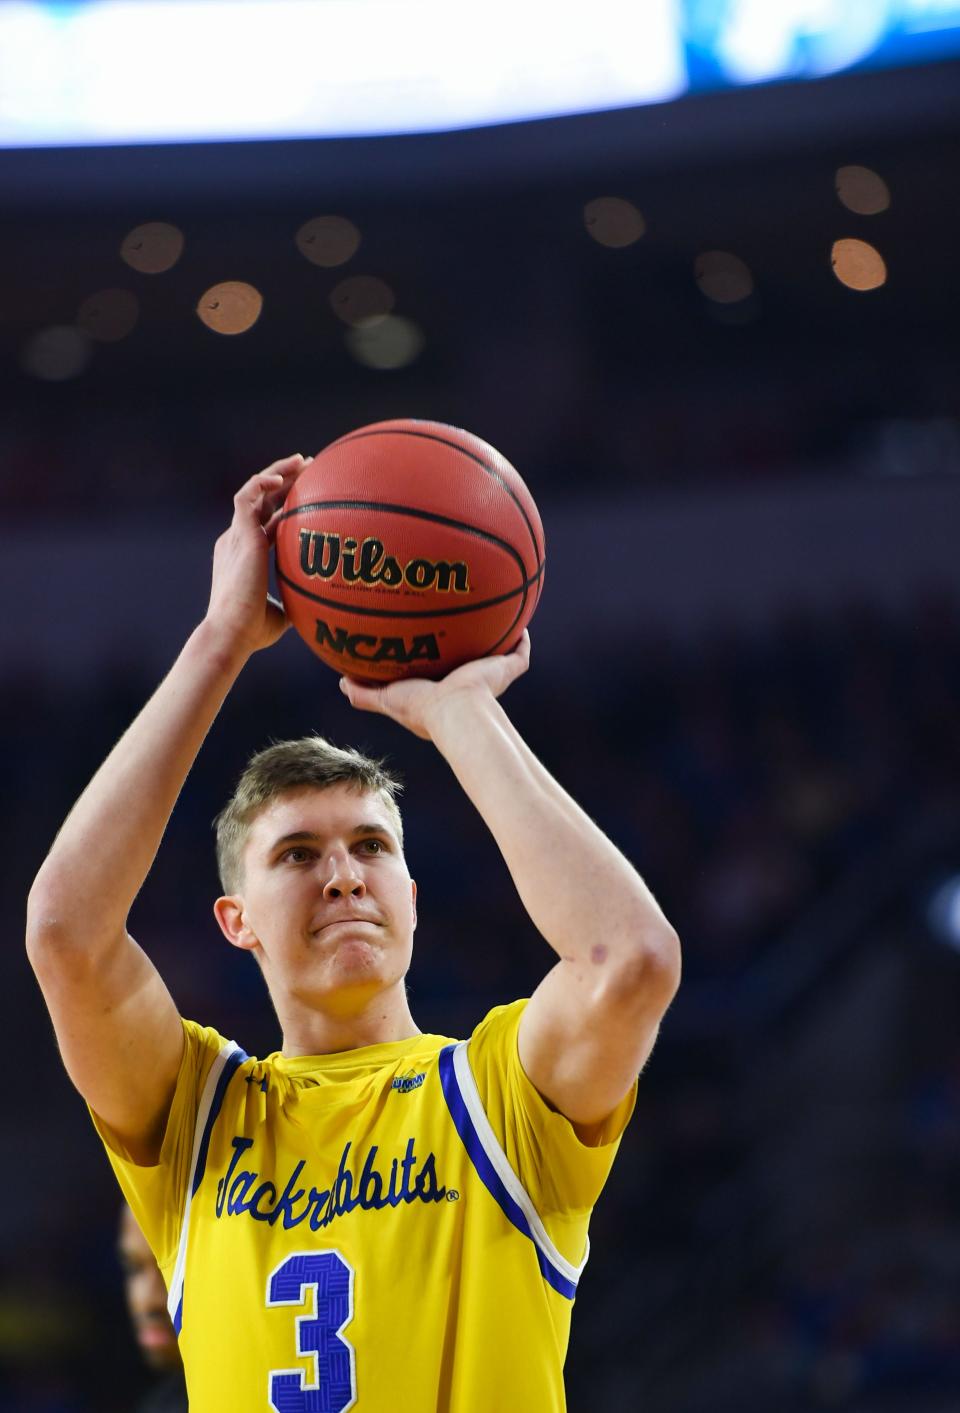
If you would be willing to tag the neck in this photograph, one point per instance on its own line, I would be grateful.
(311, 1030)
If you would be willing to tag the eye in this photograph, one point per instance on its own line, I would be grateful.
(375, 846)
(298, 854)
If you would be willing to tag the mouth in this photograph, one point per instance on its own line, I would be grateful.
(155, 1334)
(346, 922)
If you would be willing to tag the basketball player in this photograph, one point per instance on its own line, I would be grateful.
(371, 1217)
(146, 1294)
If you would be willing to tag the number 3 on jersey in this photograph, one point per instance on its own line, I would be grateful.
(333, 1388)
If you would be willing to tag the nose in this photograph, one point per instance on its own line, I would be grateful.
(344, 880)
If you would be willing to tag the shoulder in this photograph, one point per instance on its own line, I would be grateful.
(499, 1108)
(485, 1068)
(488, 1058)
(491, 1060)
(209, 1063)
(497, 1032)
(203, 1037)
(205, 1049)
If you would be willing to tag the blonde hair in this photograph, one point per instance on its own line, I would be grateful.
(286, 766)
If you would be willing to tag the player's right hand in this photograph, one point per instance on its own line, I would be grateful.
(241, 611)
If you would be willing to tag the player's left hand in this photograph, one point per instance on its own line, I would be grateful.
(416, 702)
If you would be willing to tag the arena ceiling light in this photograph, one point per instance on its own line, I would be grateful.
(120, 71)
(151, 71)
(943, 912)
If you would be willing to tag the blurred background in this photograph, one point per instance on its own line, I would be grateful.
(692, 267)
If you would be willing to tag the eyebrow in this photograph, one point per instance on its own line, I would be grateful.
(307, 836)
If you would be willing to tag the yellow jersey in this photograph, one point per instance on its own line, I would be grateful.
(394, 1229)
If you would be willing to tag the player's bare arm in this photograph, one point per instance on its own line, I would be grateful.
(109, 1005)
(592, 1022)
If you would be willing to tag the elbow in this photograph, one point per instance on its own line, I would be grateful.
(648, 976)
(45, 901)
(67, 935)
(46, 933)
(42, 918)
(53, 939)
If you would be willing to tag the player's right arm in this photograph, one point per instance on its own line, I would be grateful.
(117, 1026)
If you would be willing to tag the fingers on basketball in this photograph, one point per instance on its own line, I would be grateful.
(261, 498)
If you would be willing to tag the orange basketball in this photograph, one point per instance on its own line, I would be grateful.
(407, 548)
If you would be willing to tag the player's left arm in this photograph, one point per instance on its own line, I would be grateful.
(591, 1023)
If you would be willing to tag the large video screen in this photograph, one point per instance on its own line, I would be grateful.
(147, 71)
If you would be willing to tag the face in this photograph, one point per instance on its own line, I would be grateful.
(146, 1297)
(326, 903)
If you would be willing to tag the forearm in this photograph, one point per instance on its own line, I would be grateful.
(108, 842)
(579, 890)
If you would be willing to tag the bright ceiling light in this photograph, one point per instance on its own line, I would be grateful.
(857, 264)
(232, 307)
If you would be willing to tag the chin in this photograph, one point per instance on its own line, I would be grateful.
(163, 1359)
(356, 959)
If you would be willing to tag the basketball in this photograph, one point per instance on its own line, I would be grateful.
(407, 548)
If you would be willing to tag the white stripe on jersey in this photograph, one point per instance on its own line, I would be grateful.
(501, 1163)
(203, 1113)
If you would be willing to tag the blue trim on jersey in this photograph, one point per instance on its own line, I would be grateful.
(229, 1069)
(234, 1060)
(488, 1173)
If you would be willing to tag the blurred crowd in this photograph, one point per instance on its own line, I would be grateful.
(779, 1232)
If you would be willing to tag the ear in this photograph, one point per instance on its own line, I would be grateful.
(413, 901)
(229, 914)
